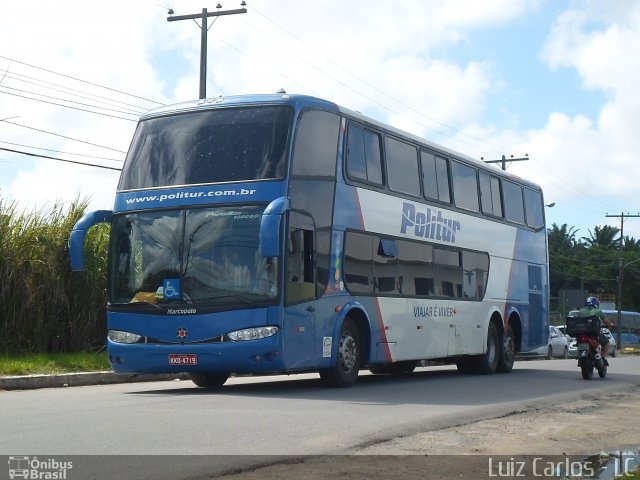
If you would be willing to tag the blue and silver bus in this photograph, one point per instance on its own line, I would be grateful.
(283, 233)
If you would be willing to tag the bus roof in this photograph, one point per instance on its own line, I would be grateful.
(304, 101)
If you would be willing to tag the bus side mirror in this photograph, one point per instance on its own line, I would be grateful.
(78, 234)
(270, 227)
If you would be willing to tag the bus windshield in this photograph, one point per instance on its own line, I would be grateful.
(199, 256)
(209, 146)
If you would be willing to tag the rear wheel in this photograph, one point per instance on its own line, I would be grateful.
(345, 371)
(549, 353)
(487, 363)
(587, 370)
(209, 380)
(507, 351)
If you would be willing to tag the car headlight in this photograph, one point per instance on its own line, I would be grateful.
(252, 333)
(119, 336)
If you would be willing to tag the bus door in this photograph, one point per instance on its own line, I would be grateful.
(300, 292)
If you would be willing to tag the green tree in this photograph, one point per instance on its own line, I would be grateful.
(564, 249)
(606, 237)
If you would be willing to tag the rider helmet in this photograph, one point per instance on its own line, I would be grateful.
(592, 302)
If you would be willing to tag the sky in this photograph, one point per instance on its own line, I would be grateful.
(554, 81)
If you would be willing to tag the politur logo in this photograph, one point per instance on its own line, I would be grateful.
(429, 224)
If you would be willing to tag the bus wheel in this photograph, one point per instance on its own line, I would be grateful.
(209, 380)
(507, 351)
(465, 365)
(398, 368)
(488, 362)
(345, 371)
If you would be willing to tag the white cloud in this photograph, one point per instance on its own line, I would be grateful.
(381, 58)
(590, 164)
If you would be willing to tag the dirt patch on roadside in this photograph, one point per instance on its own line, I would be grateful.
(613, 420)
(552, 430)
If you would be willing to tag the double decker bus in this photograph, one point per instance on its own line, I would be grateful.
(283, 233)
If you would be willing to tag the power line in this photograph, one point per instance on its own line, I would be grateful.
(63, 136)
(68, 106)
(66, 100)
(60, 151)
(80, 80)
(60, 159)
(74, 91)
(365, 82)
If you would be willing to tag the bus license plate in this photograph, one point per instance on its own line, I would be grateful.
(183, 359)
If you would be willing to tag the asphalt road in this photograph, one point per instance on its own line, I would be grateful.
(266, 418)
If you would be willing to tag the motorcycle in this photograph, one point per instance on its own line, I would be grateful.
(586, 330)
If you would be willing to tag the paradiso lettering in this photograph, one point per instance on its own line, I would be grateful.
(430, 224)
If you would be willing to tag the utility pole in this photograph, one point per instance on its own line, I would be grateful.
(504, 160)
(622, 216)
(203, 37)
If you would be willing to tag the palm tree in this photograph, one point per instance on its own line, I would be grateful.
(606, 237)
(562, 238)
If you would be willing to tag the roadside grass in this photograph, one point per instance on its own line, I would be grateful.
(634, 475)
(52, 363)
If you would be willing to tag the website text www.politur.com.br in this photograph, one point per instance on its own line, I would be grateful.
(163, 197)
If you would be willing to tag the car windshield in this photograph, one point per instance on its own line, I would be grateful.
(205, 256)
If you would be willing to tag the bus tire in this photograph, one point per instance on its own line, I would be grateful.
(398, 368)
(344, 372)
(465, 365)
(209, 380)
(487, 363)
(507, 351)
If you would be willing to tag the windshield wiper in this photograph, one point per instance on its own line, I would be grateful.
(144, 302)
(235, 296)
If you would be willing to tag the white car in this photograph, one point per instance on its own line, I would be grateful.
(558, 345)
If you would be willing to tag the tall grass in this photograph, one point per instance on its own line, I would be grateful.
(44, 307)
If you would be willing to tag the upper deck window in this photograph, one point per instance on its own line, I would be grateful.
(402, 167)
(364, 157)
(465, 186)
(209, 146)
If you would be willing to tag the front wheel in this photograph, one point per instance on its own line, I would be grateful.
(398, 368)
(345, 371)
(209, 380)
(602, 372)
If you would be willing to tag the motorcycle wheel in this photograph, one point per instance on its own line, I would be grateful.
(602, 372)
(587, 371)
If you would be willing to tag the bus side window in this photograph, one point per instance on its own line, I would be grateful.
(513, 204)
(300, 266)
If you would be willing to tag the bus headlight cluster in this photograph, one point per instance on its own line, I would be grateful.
(252, 333)
(119, 336)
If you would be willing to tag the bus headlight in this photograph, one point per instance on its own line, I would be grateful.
(119, 336)
(252, 333)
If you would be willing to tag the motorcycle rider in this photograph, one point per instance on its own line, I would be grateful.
(592, 308)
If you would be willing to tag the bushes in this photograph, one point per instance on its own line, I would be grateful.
(44, 307)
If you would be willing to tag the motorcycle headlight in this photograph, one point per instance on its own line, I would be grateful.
(118, 336)
(256, 333)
